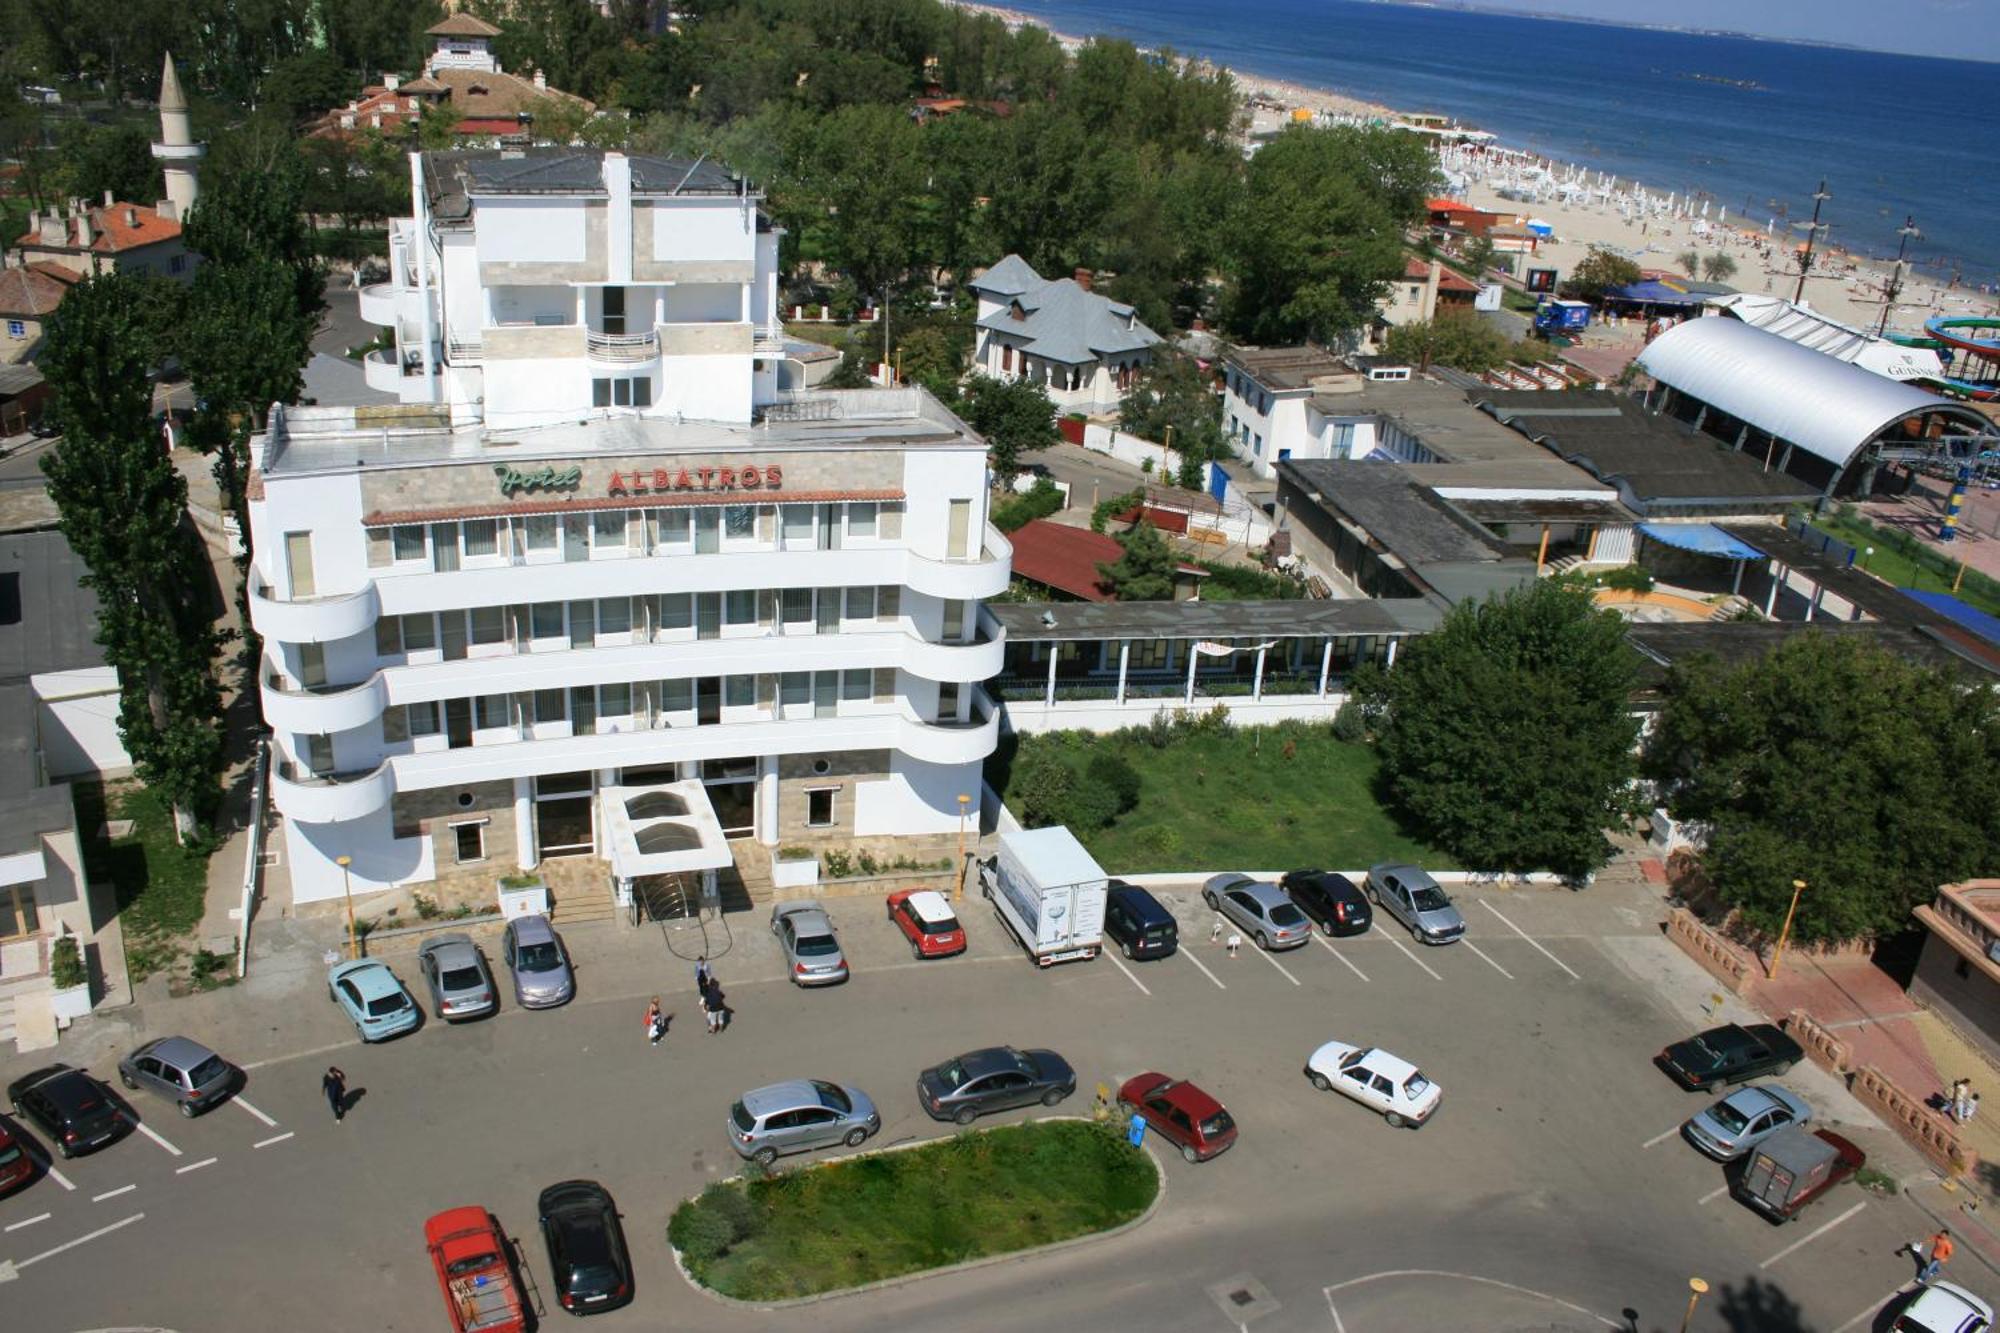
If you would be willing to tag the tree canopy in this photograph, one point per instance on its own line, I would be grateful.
(1837, 762)
(1145, 572)
(1597, 272)
(1459, 338)
(1012, 415)
(1507, 735)
(1175, 404)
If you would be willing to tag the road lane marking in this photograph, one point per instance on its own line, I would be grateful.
(1812, 1236)
(1661, 1138)
(9, 1271)
(1341, 956)
(153, 1134)
(1524, 935)
(1272, 959)
(1412, 957)
(265, 1143)
(1482, 953)
(29, 1221)
(1127, 971)
(1874, 1308)
(268, 1122)
(112, 1194)
(1204, 968)
(1714, 1193)
(59, 1177)
(1461, 1277)
(194, 1166)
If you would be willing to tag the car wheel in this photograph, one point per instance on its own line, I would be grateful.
(187, 1110)
(855, 1137)
(331, 996)
(127, 1080)
(965, 1115)
(764, 1156)
(1053, 1095)
(64, 1149)
(1373, 896)
(1322, 1082)
(916, 950)
(1263, 941)
(1395, 1121)
(1125, 949)
(1783, 1069)
(1209, 898)
(1190, 1154)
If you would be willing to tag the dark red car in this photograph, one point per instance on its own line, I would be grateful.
(16, 1167)
(1186, 1116)
(926, 920)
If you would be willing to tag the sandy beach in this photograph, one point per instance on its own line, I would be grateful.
(1840, 286)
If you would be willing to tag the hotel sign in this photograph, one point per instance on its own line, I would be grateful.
(514, 480)
(668, 481)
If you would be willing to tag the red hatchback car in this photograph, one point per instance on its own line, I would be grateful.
(16, 1167)
(926, 920)
(1186, 1116)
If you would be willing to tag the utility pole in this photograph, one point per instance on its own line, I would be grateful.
(1906, 231)
(1813, 229)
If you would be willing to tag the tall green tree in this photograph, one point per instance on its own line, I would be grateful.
(1834, 761)
(1507, 734)
(1175, 404)
(1012, 415)
(93, 159)
(1317, 230)
(1145, 571)
(122, 508)
(1598, 271)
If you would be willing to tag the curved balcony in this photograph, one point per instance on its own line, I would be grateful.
(967, 742)
(312, 619)
(378, 303)
(621, 349)
(383, 371)
(984, 575)
(313, 799)
(325, 709)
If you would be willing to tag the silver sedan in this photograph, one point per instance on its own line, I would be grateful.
(1260, 908)
(539, 963)
(812, 950)
(460, 984)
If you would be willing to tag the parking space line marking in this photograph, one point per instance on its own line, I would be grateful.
(1462, 1277)
(1272, 959)
(112, 1194)
(1412, 957)
(1127, 971)
(29, 1221)
(194, 1166)
(268, 1122)
(265, 1143)
(1341, 956)
(1483, 954)
(1717, 1192)
(1873, 1308)
(1661, 1138)
(152, 1134)
(1530, 939)
(1204, 968)
(1813, 1235)
(19, 1264)
(60, 1178)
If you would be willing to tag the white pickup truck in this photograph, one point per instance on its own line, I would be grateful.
(1049, 893)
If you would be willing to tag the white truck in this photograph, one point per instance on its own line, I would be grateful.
(1049, 894)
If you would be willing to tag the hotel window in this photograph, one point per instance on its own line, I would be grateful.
(799, 528)
(409, 541)
(582, 624)
(676, 610)
(489, 624)
(419, 633)
(739, 606)
(958, 530)
(318, 754)
(861, 520)
(469, 841)
(739, 521)
(607, 530)
(739, 691)
(492, 710)
(614, 701)
(674, 527)
(543, 532)
(546, 620)
(948, 702)
(423, 719)
(583, 709)
(819, 806)
(614, 615)
(861, 603)
(798, 605)
(549, 706)
(388, 636)
(707, 531)
(889, 604)
(855, 685)
(1148, 655)
(954, 620)
(676, 696)
(481, 537)
(795, 687)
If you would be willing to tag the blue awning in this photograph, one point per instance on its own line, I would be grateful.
(1702, 539)
(1959, 613)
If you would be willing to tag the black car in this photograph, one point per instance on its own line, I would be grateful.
(995, 1079)
(1136, 922)
(1728, 1054)
(586, 1247)
(78, 1113)
(1332, 901)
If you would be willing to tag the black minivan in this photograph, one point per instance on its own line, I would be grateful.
(1135, 919)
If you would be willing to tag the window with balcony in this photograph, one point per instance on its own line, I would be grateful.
(614, 706)
(677, 696)
(444, 547)
(317, 754)
(948, 702)
(855, 685)
(492, 710)
(889, 602)
(607, 532)
(545, 622)
(544, 534)
(551, 706)
(676, 611)
(828, 619)
(795, 689)
(739, 522)
(708, 615)
(406, 541)
(861, 520)
(739, 607)
(796, 609)
(614, 620)
(422, 719)
(739, 691)
(954, 621)
(420, 633)
(388, 636)
(676, 529)
(861, 603)
(958, 530)
(799, 529)
(481, 536)
(489, 625)
(582, 710)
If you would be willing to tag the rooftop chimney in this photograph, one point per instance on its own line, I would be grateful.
(541, 79)
(131, 216)
(108, 199)
(1082, 277)
(54, 231)
(391, 82)
(83, 229)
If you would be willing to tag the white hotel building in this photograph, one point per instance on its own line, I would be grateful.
(599, 550)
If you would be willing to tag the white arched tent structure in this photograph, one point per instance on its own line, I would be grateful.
(1818, 418)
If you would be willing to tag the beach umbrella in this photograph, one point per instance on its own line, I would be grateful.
(1723, 216)
(1704, 208)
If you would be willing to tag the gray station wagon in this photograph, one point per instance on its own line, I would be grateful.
(798, 1116)
(187, 1072)
(1410, 895)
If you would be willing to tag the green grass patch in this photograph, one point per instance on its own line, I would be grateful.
(1907, 562)
(1213, 796)
(844, 1224)
(161, 886)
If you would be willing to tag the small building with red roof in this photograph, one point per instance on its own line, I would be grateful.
(113, 236)
(1064, 561)
(28, 296)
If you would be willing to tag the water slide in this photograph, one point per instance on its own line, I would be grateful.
(1945, 331)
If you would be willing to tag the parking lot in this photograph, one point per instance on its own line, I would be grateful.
(1550, 1191)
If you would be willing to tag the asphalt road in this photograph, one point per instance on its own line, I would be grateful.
(1549, 1193)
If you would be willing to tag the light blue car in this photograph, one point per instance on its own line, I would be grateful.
(373, 999)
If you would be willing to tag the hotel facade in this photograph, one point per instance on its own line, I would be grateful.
(601, 584)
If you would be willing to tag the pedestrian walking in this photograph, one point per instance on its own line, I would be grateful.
(1932, 1255)
(656, 1022)
(334, 1085)
(1971, 1109)
(710, 1009)
(717, 1005)
(1961, 1099)
(702, 975)
(1235, 943)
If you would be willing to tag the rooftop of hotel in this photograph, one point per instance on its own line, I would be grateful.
(453, 177)
(1283, 369)
(304, 440)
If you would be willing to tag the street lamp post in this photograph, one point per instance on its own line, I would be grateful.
(1696, 1290)
(1777, 955)
(964, 805)
(347, 892)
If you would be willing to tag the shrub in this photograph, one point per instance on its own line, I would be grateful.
(66, 963)
(1350, 724)
(1117, 778)
(427, 908)
(1053, 793)
(1017, 511)
(700, 1233)
(1117, 504)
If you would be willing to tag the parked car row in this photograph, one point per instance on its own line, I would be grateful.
(457, 978)
(478, 1268)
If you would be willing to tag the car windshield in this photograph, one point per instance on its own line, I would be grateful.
(1284, 914)
(543, 957)
(741, 1118)
(1415, 1086)
(941, 925)
(595, 1278)
(462, 978)
(384, 1005)
(1431, 900)
(1732, 1120)
(816, 946)
(951, 1075)
(1155, 934)
(833, 1097)
(10, 1154)
(472, 1263)
(1351, 1059)
(1219, 1123)
(208, 1071)
(1026, 1064)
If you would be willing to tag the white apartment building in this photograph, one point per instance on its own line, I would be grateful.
(696, 622)
(539, 285)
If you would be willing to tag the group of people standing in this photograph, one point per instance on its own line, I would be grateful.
(708, 993)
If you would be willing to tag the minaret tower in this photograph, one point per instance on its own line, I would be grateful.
(180, 156)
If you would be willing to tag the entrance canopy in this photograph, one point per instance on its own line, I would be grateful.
(663, 830)
(1702, 539)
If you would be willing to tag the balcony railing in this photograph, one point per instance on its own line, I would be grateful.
(463, 351)
(768, 340)
(623, 348)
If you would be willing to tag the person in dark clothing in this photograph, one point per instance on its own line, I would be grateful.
(334, 1085)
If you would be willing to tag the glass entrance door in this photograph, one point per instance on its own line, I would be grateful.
(17, 911)
(562, 815)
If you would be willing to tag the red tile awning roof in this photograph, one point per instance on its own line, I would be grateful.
(114, 227)
(29, 293)
(1065, 558)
